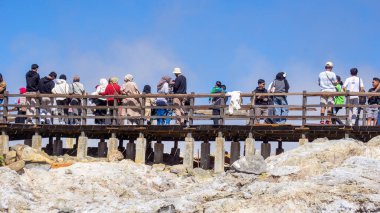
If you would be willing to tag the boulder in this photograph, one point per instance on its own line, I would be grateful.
(254, 165)
(10, 157)
(115, 156)
(17, 166)
(28, 154)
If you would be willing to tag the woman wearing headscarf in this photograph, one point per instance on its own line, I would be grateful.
(163, 88)
(101, 101)
(280, 85)
(21, 109)
(112, 88)
(131, 88)
(148, 102)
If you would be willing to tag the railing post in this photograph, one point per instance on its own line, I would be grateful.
(114, 111)
(38, 108)
(84, 111)
(143, 110)
(304, 102)
(347, 108)
(253, 110)
(221, 111)
(5, 107)
(191, 110)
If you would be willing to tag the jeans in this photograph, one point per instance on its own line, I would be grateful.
(163, 112)
(280, 111)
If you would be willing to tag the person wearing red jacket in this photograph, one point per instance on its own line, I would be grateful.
(112, 89)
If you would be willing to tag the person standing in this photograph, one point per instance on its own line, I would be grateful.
(131, 88)
(261, 100)
(148, 103)
(112, 88)
(353, 84)
(179, 87)
(280, 85)
(46, 86)
(327, 81)
(76, 88)
(216, 101)
(62, 87)
(338, 100)
(32, 80)
(101, 101)
(372, 112)
(21, 109)
(163, 88)
(3, 88)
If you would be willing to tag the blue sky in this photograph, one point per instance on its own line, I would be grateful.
(236, 42)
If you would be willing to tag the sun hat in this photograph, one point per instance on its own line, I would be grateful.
(177, 70)
(329, 64)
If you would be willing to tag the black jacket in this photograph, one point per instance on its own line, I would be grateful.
(32, 81)
(46, 85)
(262, 100)
(180, 85)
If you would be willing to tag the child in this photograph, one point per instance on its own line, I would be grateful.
(261, 100)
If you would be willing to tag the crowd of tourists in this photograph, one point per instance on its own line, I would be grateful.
(69, 110)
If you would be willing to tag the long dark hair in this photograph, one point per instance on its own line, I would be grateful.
(1, 78)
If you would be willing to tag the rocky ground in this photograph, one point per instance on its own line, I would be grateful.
(323, 176)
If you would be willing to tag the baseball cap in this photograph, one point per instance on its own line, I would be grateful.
(329, 64)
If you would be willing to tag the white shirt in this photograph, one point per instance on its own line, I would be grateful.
(352, 84)
(326, 80)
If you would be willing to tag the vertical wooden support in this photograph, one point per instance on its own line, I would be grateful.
(84, 111)
(205, 155)
(4, 143)
(142, 110)
(253, 112)
(102, 149)
(265, 148)
(222, 106)
(114, 114)
(49, 146)
(188, 159)
(235, 151)
(347, 109)
(158, 152)
(219, 153)
(112, 144)
(149, 150)
(5, 107)
(57, 147)
(82, 146)
(249, 147)
(38, 109)
(37, 141)
(121, 147)
(140, 149)
(303, 140)
(131, 150)
(304, 110)
(191, 110)
(279, 149)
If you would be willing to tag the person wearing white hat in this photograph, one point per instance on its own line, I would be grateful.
(179, 87)
(327, 81)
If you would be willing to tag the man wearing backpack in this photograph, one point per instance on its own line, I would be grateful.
(353, 84)
(327, 81)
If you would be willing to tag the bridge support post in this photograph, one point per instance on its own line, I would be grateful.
(279, 149)
(158, 152)
(174, 152)
(265, 148)
(102, 148)
(70, 142)
(131, 150)
(188, 159)
(82, 146)
(140, 149)
(57, 147)
(249, 147)
(235, 151)
(121, 147)
(4, 143)
(37, 141)
(303, 140)
(28, 142)
(49, 146)
(219, 154)
(149, 151)
(112, 144)
(205, 155)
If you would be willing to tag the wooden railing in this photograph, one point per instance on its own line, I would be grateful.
(194, 112)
